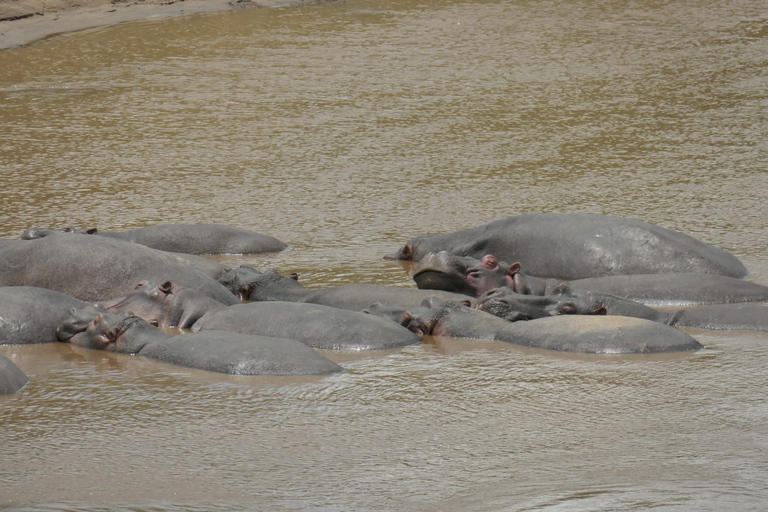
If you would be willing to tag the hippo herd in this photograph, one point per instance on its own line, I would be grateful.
(581, 283)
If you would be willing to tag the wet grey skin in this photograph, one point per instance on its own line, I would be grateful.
(95, 268)
(597, 334)
(182, 238)
(249, 284)
(472, 276)
(506, 304)
(30, 314)
(12, 378)
(579, 246)
(318, 326)
(216, 351)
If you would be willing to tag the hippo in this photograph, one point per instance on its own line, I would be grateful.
(597, 334)
(183, 238)
(578, 246)
(216, 351)
(95, 268)
(30, 314)
(318, 326)
(472, 276)
(12, 378)
(505, 303)
(250, 284)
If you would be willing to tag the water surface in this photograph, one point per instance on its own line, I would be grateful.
(344, 129)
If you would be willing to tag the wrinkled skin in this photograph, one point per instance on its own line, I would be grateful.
(587, 302)
(688, 289)
(183, 238)
(12, 378)
(513, 307)
(217, 351)
(249, 284)
(94, 268)
(167, 305)
(30, 314)
(318, 326)
(597, 334)
(446, 271)
(471, 276)
(578, 246)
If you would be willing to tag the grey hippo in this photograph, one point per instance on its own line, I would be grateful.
(12, 378)
(184, 238)
(94, 268)
(316, 325)
(216, 351)
(472, 276)
(578, 246)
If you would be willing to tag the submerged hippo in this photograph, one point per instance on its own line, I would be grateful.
(250, 284)
(472, 276)
(30, 315)
(184, 238)
(573, 333)
(318, 326)
(577, 246)
(216, 351)
(94, 268)
(12, 379)
(505, 303)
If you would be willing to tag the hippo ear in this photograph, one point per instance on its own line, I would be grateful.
(91, 231)
(569, 308)
(294, 276)
(602, 310)
(166, 287)
(406, 319)
(514, 268)
(490, 262)
(467, 303)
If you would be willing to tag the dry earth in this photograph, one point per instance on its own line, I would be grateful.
(25, 21)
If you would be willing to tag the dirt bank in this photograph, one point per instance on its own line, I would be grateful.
(25, 21)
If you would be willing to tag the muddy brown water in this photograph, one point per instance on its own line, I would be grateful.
(345, 129)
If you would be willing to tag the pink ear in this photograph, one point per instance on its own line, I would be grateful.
(166, 287)
(490, 262)
(514, 268)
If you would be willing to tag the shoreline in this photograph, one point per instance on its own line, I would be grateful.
(25, 21)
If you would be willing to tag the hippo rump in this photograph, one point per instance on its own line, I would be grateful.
(597, 334)
(473, 276)
(94, 268)
(30, 315)
(249, 284)
(12, 379)
(216, 351)
(325, 327)
(183, 238)
(578, 246)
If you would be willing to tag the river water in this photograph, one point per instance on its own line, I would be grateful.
(344, 129)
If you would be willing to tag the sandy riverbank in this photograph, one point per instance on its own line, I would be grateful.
(25, 21)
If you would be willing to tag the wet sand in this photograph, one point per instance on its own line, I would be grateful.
(25, 21)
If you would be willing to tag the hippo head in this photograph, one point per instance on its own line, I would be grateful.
(33, 233)
(91, 327)
(249, 284)
(506, 303)
(165, 305)
(470, 276)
